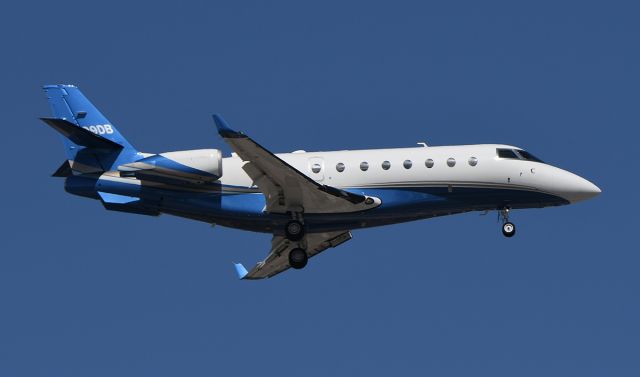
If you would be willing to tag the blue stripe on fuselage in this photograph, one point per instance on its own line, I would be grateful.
(245, 210)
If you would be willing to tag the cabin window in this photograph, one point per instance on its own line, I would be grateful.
(364, 166)
(340, 167)
(407, 164)
(386, 165)
(473, 161)
(451, 162)
(428, 163)
(316, 168)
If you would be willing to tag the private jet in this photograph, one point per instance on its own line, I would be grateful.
(308, 201)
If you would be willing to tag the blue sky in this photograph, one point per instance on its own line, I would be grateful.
(87, 292)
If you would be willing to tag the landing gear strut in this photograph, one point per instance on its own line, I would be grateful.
(298, 258)
(508, 228)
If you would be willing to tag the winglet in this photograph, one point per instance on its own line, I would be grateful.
(240, 270)
(223, 128)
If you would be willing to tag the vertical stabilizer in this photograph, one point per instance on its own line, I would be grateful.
(71, 109)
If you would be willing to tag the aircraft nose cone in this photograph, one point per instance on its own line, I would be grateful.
(580, 189)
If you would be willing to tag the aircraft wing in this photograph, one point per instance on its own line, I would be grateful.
(285, 188)
(278, 258)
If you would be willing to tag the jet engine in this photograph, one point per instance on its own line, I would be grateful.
(196, 166)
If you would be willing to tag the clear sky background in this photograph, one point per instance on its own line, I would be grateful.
(87, 292)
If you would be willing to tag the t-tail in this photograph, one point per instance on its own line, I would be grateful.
(92, 143)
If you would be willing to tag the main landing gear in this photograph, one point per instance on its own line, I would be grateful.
(294, 231)
(508, 228)
(298, 258)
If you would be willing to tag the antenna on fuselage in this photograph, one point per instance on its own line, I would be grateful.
(422, 143)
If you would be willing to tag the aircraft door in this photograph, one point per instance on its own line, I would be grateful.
(316, 168)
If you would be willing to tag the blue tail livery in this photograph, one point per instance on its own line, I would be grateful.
(91, 141)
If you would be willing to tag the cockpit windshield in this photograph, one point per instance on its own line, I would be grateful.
(507, 153)
(528, 156)
(517, 154)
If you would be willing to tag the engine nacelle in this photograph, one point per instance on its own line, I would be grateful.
(194, 166)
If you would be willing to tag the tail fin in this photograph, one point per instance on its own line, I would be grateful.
(103, 147)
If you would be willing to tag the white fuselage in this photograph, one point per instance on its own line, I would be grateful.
(408, 168)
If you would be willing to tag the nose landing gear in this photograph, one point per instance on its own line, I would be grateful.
(508, 228)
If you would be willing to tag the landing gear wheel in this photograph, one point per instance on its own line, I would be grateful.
(508, 229)
(294, 230)
(298, 258)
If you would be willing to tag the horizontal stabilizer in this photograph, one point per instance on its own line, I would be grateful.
(79, 135)
(71, 167)
(64, 170)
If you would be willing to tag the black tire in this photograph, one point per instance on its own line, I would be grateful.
(298, 258)
(294, 230)
(508, 229)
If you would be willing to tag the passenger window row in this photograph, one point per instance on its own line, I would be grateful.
(407, 164)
